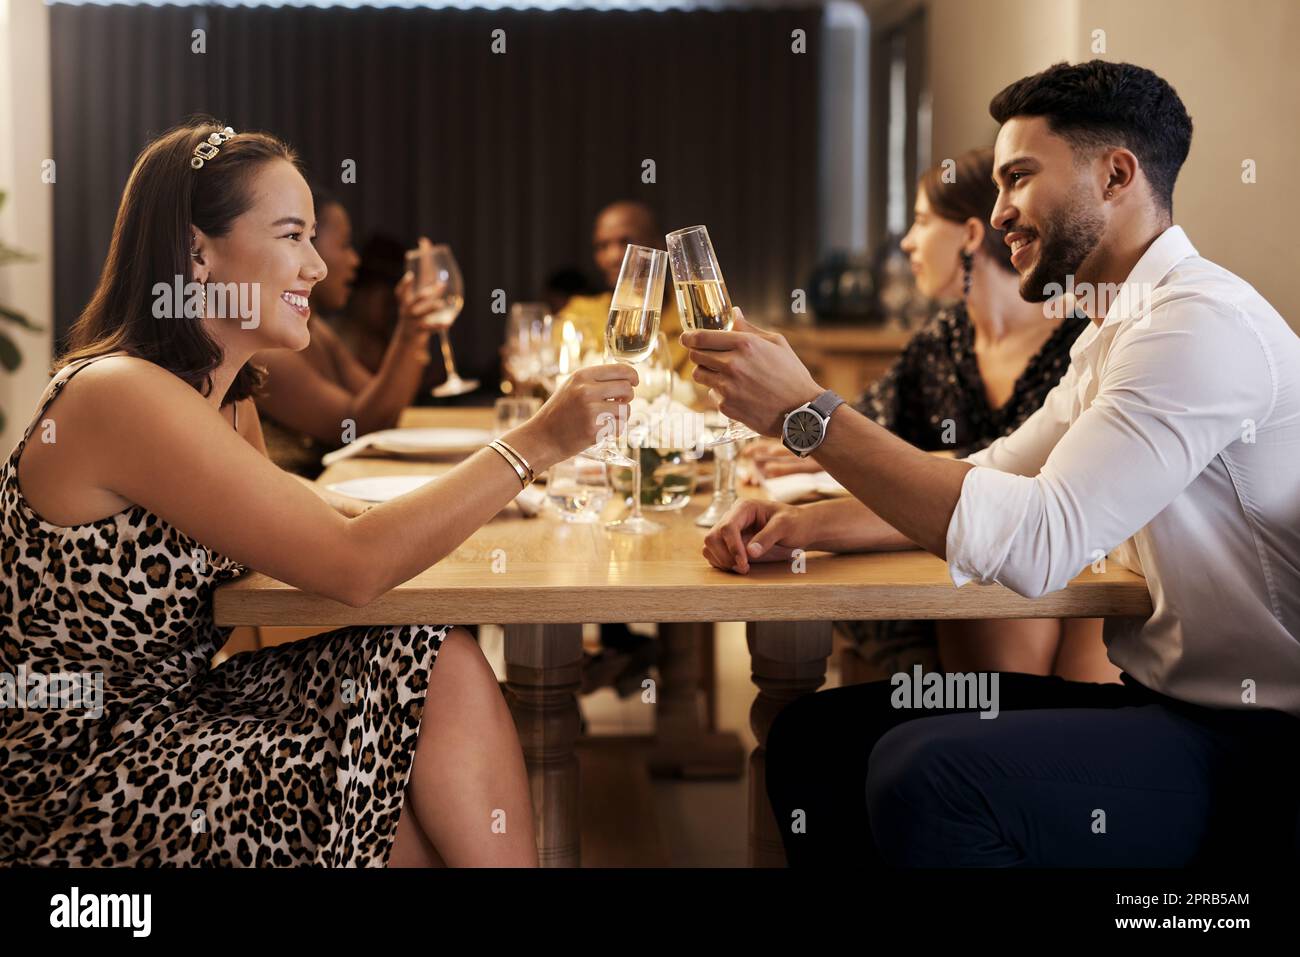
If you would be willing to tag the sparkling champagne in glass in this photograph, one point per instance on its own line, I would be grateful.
(630, 332)
(630, 337)
(702, 300)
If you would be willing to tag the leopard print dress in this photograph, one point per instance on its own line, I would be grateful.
(292, 755)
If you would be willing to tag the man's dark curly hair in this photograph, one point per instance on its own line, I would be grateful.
(1100, 105)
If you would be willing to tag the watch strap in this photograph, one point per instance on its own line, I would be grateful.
(826, 403)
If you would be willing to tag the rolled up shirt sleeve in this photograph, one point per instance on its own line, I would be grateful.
(1172, 395)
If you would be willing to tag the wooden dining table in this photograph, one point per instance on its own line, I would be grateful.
(541, 579)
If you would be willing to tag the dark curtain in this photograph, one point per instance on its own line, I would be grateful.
(505, 156)
(904, 42)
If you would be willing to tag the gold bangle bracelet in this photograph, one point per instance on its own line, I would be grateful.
(519, 458)
(518, 469)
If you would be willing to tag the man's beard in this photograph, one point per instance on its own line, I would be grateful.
(1069, 236)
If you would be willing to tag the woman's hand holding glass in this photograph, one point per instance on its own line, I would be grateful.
(413, 305)
(578, 412)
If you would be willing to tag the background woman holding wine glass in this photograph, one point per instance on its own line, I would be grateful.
(310, 396)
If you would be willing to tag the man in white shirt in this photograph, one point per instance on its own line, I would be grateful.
(1171, 445)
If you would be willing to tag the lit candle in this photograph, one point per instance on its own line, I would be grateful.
(570, 351)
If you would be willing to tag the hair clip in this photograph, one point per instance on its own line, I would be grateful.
(208, 148)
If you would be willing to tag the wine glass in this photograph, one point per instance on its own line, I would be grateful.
(702, 300)
(509, 412)
(724, 484)
(631, 329)
(436, 272)
(528, 335)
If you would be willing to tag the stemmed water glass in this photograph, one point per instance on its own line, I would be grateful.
(435, 272)
(528, 348)
(724, 484)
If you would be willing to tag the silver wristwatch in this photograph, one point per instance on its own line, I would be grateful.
(805, 428)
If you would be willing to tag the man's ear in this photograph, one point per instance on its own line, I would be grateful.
(1120, 171)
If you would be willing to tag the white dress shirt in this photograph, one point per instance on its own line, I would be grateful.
(1172, 445)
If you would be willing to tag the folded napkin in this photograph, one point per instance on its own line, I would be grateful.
(790, 488)
(530, 501)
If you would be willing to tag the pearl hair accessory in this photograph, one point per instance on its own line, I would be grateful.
(208, 148)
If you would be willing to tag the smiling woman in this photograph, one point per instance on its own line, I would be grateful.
(140, 498)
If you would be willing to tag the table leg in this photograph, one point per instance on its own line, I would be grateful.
(543, 674)
(788, 660)
(685, 746)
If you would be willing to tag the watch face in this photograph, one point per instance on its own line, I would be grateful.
(804, 430)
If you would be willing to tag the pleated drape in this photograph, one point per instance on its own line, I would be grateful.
(505, 156)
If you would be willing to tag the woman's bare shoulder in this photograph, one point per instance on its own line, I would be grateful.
(125, 393)
(124, 377)
(93, 425)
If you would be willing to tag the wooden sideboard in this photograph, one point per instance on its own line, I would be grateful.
(845, 358)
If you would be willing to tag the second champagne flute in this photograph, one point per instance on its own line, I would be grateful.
(630, 332)
(702, 300)
(435, 270)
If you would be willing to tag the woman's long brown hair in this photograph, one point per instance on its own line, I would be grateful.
(164, 197)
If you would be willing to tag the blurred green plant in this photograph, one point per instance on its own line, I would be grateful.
(10, 357)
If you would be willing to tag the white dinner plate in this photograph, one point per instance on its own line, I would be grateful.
(380, 488)
(430, 441)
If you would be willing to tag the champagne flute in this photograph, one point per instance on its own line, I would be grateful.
(702, 300)
(630, 337)
(631, 329)
(435, 271)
